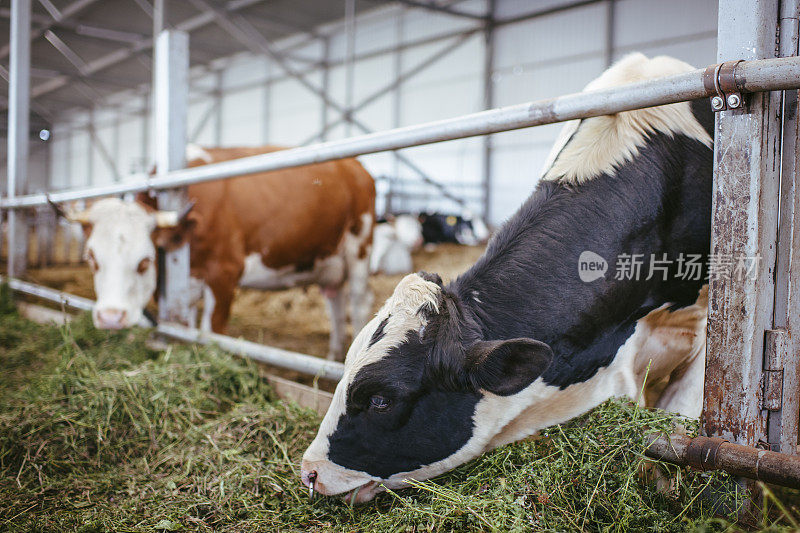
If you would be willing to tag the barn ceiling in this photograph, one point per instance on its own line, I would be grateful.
(85, 50)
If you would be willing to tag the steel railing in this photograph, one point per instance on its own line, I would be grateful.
(752, 76)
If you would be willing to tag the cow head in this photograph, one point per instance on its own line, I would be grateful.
(421, 394)
(121, 253)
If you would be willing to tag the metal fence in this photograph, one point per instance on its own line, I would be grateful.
(751, 392)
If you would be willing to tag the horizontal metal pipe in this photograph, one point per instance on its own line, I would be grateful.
(61, 298)
(270, 355)
(298, 362)
(752, 76)
(706, 453)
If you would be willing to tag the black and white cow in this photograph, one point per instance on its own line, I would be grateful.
(520, 342)
(465, 229)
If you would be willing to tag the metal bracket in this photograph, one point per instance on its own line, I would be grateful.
(701, 453)
(773, 389)
(776, 346)
(720, 80)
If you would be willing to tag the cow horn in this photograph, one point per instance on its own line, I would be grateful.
(166, 219)
(170, 219)
(57, 208)
(81, 217)
(185, 211)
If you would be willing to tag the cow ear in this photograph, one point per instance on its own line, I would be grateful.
(173, 238)
(80, 217)
(432, 277)
(506, 367)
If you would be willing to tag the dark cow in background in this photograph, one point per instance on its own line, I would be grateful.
(519, 342)
(398, 235)
(270, 230)
(450, 227)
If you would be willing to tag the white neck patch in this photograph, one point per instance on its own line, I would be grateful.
(590, 147)
(401, 310)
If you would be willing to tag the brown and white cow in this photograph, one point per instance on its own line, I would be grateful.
(548, 323)
(271, 230)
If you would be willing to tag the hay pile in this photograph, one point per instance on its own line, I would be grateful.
(99, 433)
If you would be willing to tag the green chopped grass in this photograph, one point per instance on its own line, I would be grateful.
(100, 433)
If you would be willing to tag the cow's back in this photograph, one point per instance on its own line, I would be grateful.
(291, 217)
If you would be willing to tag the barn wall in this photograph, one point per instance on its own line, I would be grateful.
(38, 166)
(247, 100)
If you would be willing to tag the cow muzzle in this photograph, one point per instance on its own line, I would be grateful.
(323, 477)
(110, 318)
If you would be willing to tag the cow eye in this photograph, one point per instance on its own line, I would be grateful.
(379, 403)
(144, 264)
(92, 261)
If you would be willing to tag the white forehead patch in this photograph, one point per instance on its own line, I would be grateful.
(412, 293)
(401, 313)
(120, 228)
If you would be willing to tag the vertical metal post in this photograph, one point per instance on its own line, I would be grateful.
(38, 234)
(115, 147)
(349, 80)
(218, 109)
(48, 185)
(488, 103)
(170, 112)
(326, 84)
(18, 126)
(782, 362)
(66, 227)
(610, 28)
(265, 124)
(159, 16)
(145, 146)
(90, 177)
(745, 218)
(397, 108)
